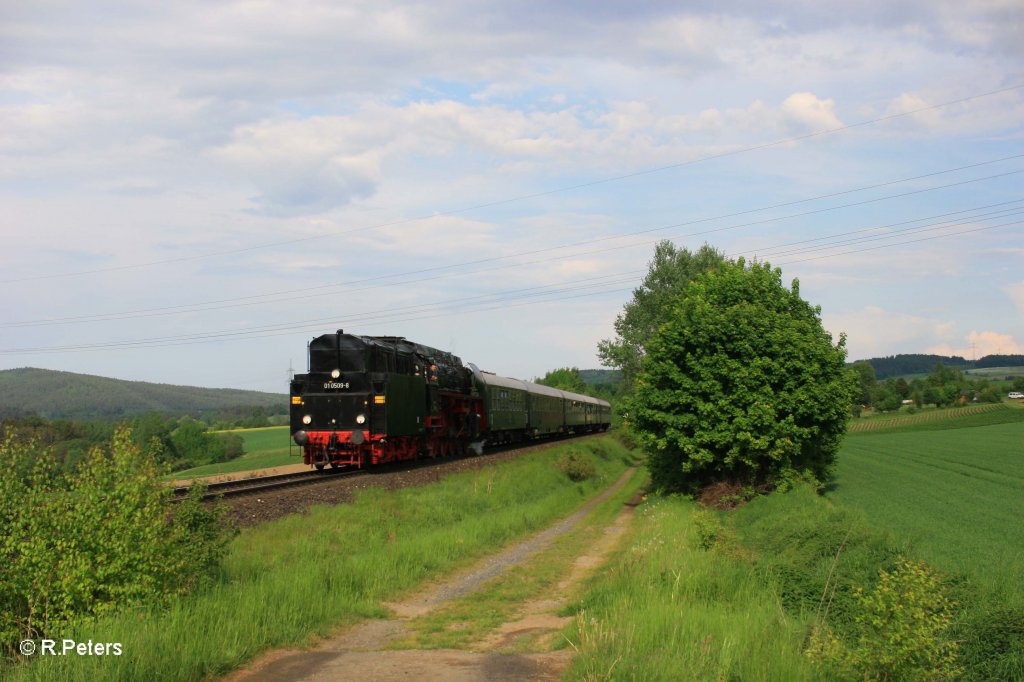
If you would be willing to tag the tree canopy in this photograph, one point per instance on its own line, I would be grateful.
(566, 379)
(741, 383)
(669, 272)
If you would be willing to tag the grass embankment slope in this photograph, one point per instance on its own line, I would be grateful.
(288, 581)
(698, 594)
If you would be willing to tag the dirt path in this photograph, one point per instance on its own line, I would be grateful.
(361, 653)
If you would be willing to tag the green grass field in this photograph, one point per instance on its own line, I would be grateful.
(692, 594)
(952, 493)
(956, 494)
(997, 373)
(264, 448)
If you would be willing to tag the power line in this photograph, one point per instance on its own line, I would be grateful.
(254, 299)
(910, 241)
(290, 327)
(519, 198)
(908, 230)
(438, 309)
(906, 222)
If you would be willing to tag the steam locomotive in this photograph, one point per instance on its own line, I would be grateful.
(369, 400)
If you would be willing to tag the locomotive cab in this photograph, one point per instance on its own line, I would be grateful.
(367, 400)
(331, 405)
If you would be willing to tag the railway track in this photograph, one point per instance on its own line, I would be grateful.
(246, 486)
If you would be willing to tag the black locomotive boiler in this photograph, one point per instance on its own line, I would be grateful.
(373, 399)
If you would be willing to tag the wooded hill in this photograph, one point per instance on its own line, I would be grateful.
(65, 395)
(916, 363)
(596, 377)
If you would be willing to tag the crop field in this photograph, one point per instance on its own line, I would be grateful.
(900, 420)
(955, 494)
(997, 373)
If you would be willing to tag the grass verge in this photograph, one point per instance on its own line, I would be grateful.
(664, 609)
(292, 580)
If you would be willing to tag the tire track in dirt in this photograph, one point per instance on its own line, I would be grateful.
(361, 654)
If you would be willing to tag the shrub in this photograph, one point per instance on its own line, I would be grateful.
(902, 630)
(708, 528)
(234, 446)
(577, 467)
(75, 547)
(990, 394)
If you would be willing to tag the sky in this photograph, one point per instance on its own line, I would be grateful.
(191, 191)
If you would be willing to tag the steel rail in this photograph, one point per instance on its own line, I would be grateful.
(255, 484)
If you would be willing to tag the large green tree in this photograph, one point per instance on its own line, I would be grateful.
(742, 383)
(668, 274)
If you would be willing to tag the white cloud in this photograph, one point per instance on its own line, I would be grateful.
(989, 114)
(311, 165)
(873, 331)
(810, 113)
(979, 344)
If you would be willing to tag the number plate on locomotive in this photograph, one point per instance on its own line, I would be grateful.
(335, 385)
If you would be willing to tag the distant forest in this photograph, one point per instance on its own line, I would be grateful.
(597, 377)
(915, 363)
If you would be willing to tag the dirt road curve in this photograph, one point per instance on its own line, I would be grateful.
(360, 653)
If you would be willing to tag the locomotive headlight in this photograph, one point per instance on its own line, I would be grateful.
(361, 419)
(335, 373)
(307, 419)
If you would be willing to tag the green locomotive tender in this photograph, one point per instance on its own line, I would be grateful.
(373, 399)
